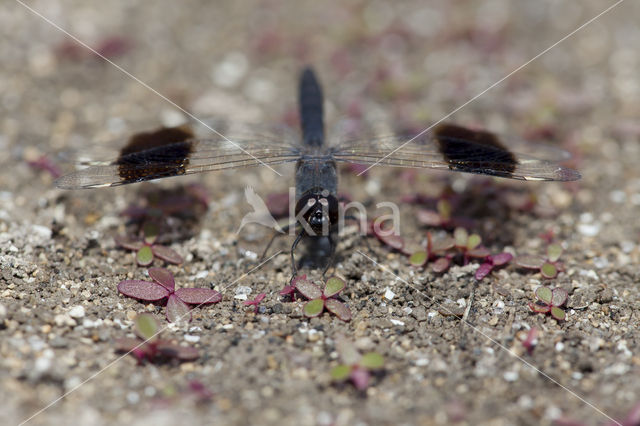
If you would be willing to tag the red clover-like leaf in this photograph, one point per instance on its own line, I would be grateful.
(360, 378)
(554, 251)
(173, 350)
(461, 237)
(537, 307)
(418, 258)
(308, 289)
(128, 344)
(177, 310)
(473, 241)
(501, 258)
(150, 231)
(558, 313)
(339, 309)
(544, 294)
(167, 254)
(443, 245)
(164, 277)
(483, 271)
(441, 265)
(396, 242)
(128, 242)
(559, 296)
(144, 256)
(313, 308)
(146, 326)
(479, 252)
(372, 361)
(198, 296)
(549, 270)
(428, 217)
(333, 286)
(341, 372)
(143, 290)
(530, 261)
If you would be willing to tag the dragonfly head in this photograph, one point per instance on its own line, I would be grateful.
(319, 209)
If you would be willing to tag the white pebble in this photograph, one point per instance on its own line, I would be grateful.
(76, 312)
(133, 397)
(388, 294)
(589, 230)
(397, 322)
(511, 376)
(41, 231)
(191, 338)
(617, 196)
(231, 70)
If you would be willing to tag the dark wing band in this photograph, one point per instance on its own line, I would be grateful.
(451, 147)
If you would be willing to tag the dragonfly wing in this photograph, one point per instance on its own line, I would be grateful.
(451, 147)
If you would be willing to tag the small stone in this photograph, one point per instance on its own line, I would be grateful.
(76, 312)
(589, 229)
(64, 319)
(511, 376)
(388, 294)
(191, 338)
(605, 296)
(419, 313)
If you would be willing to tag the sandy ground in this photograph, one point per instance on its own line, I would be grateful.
(386, 66)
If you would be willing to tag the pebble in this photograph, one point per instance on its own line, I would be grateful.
(388, 294)
(58, 342)
(511, 376)
(76, 312)
(589, 229)
(419, 313)
(396, 322)
(64, 319)
(231, 70)
(191, 338)
(42, 232)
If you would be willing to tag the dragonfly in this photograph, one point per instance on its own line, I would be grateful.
(176, 151)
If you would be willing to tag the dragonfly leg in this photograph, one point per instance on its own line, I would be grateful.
(273, 238)
(294, 270)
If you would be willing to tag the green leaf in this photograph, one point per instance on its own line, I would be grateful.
(146, 326)
(473, 241)
(544, 294)
(444, 209)
(150, 231)
(461, 236)
(333, 286)
(549, 270)
(144, 257)
(554, 251)
(418, 258)
(313, 308)
(341, 372)
(558, 313)
(372, 361)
